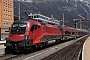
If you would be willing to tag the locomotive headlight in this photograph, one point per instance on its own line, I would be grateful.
(25, 37)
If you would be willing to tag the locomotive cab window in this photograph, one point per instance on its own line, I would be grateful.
(18, 28)
(34, 27)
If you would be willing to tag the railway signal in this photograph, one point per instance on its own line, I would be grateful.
(79, 21)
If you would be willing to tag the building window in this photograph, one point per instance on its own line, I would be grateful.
(6, 6)
(4, 10)
(4, 14)
(4, 23)
(4, 19)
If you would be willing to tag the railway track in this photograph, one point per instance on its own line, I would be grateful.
(8, 56)
(62, 54)
(12, 56)
(67, 53)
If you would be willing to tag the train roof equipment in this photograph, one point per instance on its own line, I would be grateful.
(44, 19)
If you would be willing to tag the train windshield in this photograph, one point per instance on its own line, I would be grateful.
(18, 28)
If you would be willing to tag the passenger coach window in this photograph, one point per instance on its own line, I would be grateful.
(68, 32)
(34, 27)
(72, 33)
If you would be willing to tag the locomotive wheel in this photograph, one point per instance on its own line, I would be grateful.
(41, 45)
(36, 46)
(8, 50)
(46, 43)
(58, 41)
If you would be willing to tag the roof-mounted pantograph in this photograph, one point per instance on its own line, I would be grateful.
(44, 19)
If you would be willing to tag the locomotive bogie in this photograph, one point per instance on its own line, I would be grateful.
(20, 44)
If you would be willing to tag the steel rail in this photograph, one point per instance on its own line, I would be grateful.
(71, 54)
(67, 53)
(7, 56)
(58, 55)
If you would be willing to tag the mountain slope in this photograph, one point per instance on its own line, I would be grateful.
(71, 9)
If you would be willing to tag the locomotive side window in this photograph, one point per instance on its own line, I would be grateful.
(30, 16)
(68, 32)
(72, 33)
(18, 29)
(34, 27)
(35, 16)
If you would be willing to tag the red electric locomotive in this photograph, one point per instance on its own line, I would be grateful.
(38, 30)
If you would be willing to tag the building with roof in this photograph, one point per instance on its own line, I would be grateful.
(6, 13)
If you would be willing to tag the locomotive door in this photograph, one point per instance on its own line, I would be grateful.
(39, 32)
(35, 29)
